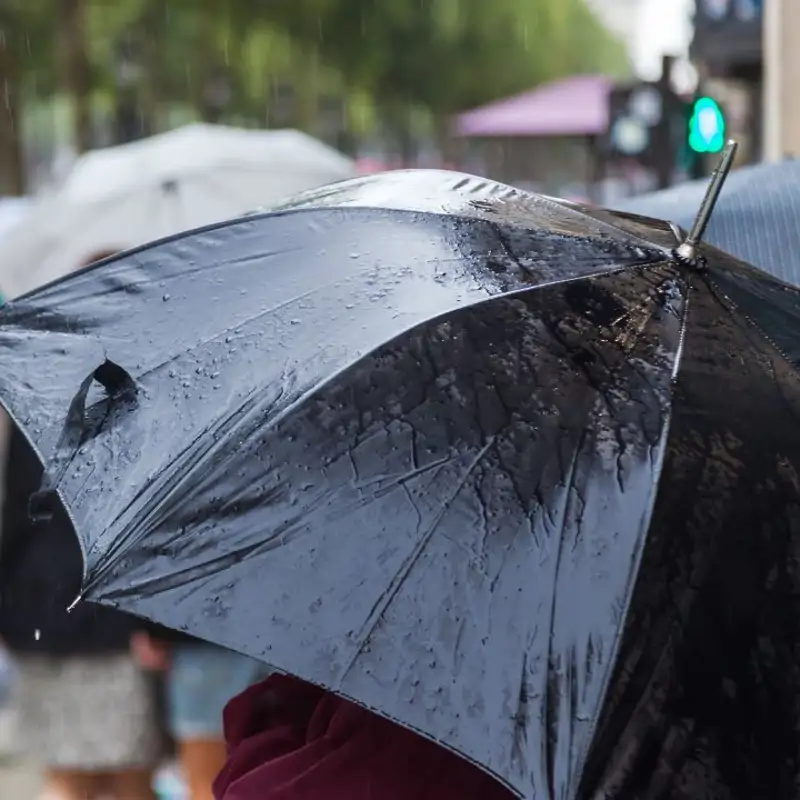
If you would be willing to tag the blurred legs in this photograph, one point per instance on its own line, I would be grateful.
(133, 784)
(201, 762)
(72, 785)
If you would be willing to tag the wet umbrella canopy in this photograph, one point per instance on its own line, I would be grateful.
(498, 467)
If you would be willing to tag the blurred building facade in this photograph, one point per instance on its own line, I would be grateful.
(781, 79)
(545, 139)
(728, 51)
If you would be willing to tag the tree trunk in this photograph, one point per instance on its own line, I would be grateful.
(77, 73)
(451, 150)
(153, 27)
(404, 137)
(306, 83)
(213, 80)
(129, 121)
(12, 170)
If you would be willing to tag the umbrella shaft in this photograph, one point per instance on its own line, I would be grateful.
(712, 194)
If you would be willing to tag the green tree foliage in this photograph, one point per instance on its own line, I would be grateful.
(393, 61)
(442, 56)
(449, 54)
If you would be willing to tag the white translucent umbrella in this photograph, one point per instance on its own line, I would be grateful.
(12, 211)
(120, 197)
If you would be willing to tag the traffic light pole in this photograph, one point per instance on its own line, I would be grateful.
(697, 168)
(663, 145)
(647, 125)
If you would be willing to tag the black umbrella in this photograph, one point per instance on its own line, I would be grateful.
(501, 468)
(757, 218)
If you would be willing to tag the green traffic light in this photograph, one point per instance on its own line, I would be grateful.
(706, 126)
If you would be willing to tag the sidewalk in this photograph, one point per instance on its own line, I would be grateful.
(18, 781)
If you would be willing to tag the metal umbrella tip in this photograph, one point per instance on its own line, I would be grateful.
(74, 604)
(687, 251)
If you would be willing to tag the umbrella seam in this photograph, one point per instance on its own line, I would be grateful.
(385, 600)
(718, 292)
(248, 219)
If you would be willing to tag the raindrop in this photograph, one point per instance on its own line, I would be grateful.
(295, 322)
(37, 634)
(165, 297)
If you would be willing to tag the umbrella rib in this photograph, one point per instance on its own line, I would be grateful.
(549, 719)
(200, 447)
(658, 465)
(609, 271)
(382, 603)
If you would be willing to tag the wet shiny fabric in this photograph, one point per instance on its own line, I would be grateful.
(492, 465)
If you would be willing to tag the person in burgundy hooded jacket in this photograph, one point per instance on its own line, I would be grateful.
(289, 740)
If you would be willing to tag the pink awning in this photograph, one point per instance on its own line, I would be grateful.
(576, 106)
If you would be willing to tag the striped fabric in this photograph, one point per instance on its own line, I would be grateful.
(757, 217)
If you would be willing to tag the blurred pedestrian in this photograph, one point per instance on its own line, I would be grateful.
(200, 680)
(6, 677)
(86, 711)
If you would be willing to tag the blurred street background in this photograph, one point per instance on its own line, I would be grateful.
(592, 100)
(519, 90)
